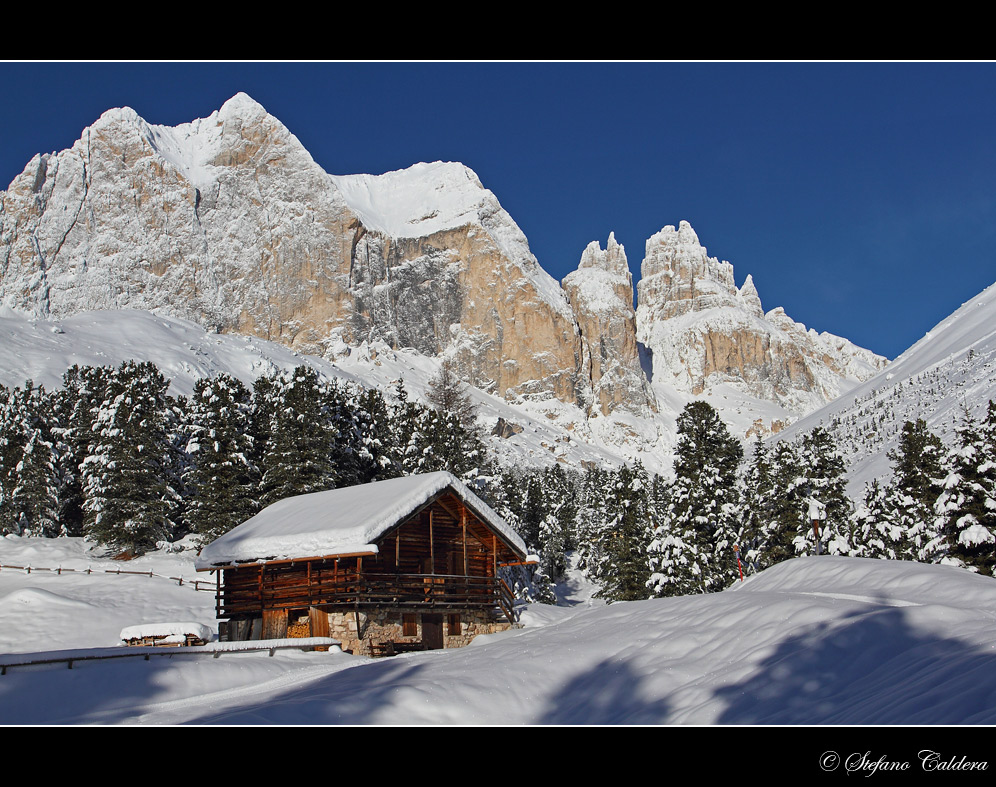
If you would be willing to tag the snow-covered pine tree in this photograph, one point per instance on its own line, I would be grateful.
(917, 462)
(430, 439)
(449, 432)
(349, 453)
(130, 498)
(822, 478)
(875, 534)
(11, 450)
(785, 507)
(376, 446)
(294, 433)
(917, 476)
(502, 489)
(704, 510)
(448, 394)
(966, 508)
(533, 509)
(220, 482)
(77, 404)
(552, 542)
(673, 555)
(756, 508)
(591, 520)
(556, 531)
(31, 482)
(623, 572)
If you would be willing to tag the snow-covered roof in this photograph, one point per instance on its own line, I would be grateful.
(341, 521)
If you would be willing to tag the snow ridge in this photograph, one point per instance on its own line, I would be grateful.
(951, 368)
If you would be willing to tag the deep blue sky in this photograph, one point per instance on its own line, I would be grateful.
(862, 197)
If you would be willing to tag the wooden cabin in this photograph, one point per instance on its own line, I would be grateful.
(406, 563)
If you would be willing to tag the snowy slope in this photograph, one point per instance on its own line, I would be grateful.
(812, 640)
(42, 349)
(952, 367)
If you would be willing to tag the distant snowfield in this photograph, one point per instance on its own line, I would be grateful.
(811, 641)
(952, 367)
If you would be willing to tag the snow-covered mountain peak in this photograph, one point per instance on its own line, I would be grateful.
(243, 106)
(431, 198)
(602, 282)
(704, 332)
(612, 259)
(118, 115)
(418, 201)
(678, 276)
(750, 297)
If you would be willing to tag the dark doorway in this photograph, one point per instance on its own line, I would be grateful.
(432, 631)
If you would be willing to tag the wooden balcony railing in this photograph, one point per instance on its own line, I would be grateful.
(350, 589)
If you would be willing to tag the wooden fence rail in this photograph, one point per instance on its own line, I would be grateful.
(196, 583)
(214, 649)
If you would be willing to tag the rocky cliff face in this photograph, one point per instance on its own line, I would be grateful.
(439, 266)
(703, 331)
(601, 296)
(228, 221)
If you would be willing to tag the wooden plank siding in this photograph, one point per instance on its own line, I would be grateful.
(441, 556)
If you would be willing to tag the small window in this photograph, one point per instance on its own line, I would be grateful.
(409, 625)
(454, 624)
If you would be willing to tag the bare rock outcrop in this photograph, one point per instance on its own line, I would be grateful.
(703, 331)
(601, 296)
(228, 221)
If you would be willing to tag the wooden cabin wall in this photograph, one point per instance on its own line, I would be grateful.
(409, 549)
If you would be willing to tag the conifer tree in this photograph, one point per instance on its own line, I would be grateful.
(784, 513)
(556, 530)
(221, 481)
(533, 510)
(591, 520)
(700, 526)
(917, 462)
(11, 450)
(624, 572)
(77, 404)
(295, 434)
(673, 552)
(917, 475)
(757, 509)
(822, 478)
(376, 443)
(430, 439)
(448, 394)
(966, 508)
(875, 533)
(130, 498)
(31, 482)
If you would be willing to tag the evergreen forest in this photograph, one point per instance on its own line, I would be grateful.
(113, 457)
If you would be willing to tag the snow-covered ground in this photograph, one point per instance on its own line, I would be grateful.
(811, 641)
(42, 350)
(953, 367)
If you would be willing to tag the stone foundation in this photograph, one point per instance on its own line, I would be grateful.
(383, 625)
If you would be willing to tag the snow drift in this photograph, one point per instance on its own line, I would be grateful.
(810, 641)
